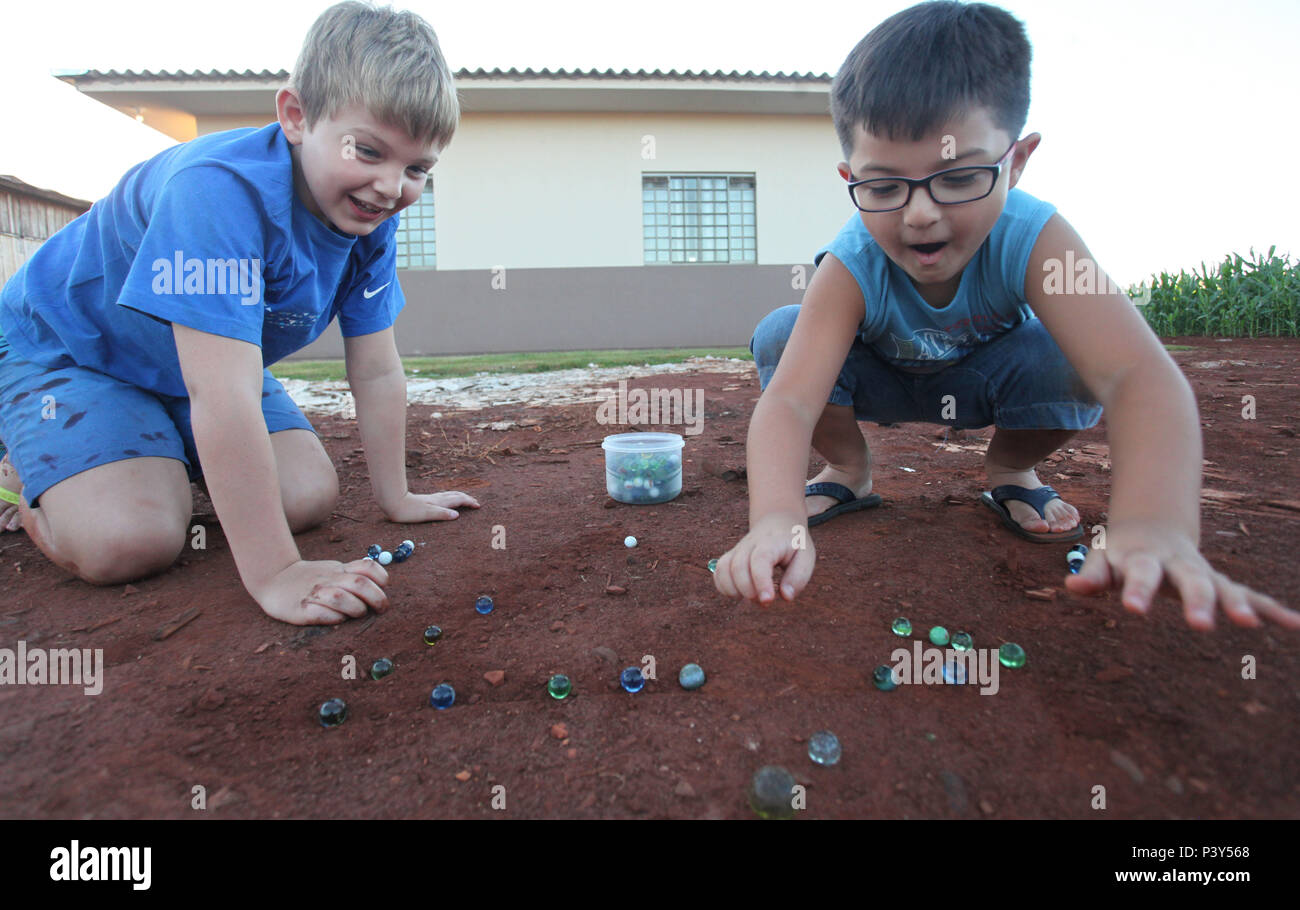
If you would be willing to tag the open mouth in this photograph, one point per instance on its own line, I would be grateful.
(365, 207)
(929, 248)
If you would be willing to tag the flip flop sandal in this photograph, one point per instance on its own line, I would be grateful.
(1036, 499)
(847, 501)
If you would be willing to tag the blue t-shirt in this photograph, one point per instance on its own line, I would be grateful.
(990, 300)
(209, 234)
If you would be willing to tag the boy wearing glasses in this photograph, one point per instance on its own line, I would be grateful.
(933, 305)
(133, 344)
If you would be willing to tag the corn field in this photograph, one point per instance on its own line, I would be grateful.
(1259, 296)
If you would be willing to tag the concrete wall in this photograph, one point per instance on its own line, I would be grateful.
(574, 309)
(555, 199)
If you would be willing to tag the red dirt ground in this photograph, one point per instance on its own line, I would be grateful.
(1156, 713)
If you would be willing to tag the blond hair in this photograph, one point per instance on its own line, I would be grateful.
(388, 62)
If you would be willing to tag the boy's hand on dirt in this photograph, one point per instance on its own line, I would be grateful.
(325, 592)
(746, 570)
(418, 507)
(1139, 557)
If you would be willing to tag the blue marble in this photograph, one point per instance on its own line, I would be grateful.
(484, 605)
(431, 635)
(381, 668)
(374, 551)
(954, 673)
(824, 747)
(632, 680)
(442, 696)
(1076, 557)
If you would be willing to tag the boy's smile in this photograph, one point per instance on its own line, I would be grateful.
(931, 242)
(350, 170)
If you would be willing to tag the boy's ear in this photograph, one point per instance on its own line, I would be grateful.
(1021, 157)
(845, 171)
(288, 110)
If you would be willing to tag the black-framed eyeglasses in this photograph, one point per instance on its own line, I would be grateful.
(953, 187)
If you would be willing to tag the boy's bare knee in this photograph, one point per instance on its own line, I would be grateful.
(103, 557)
(312, 503)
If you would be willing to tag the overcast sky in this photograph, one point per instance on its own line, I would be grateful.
(1166, 123)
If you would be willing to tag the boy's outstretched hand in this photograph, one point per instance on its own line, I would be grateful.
(324, 592)
(1138, 557)
(417, 507)
(746, 569)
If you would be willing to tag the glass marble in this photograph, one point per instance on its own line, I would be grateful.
(632, 680)
(902, 626)
(442, 696)
(883, 677)
(824, 747)
(954, 672)
(629, 541)
(771, 792)
(1011, 655)
(333, 712)
(962, 641)
(1076, 557)
(401, 554)
(559, 686)
(691, 676)
(409, 544)
(431, 635)
(484, 605)
(381, 668)
(374, 551)
(939, 636)
(384, 558)
(713, 565)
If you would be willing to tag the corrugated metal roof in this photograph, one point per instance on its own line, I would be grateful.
(281, 75)
(14, 185)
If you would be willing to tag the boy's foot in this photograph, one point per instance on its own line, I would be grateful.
(1060, 520)
(858, 484)
(10, 487)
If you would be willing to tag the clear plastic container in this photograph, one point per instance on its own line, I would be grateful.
(643, 468)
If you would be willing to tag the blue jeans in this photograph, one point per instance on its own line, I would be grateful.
(1019, 380)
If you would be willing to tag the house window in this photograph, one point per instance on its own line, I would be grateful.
(698, 218)
(415, 244)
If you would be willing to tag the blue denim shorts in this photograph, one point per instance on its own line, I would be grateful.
(57, 423)
(1020, 380)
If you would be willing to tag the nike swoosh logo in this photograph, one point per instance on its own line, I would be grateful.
(369, 293)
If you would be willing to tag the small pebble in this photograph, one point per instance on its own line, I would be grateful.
(384, 558)
(484, 605)
(691, 676)
(629, 541)
(333, 712)
(442, 696)
(824, 747)
(962, 641)
(495, 677)
(883, 677)
(560, 731)
(632, 680)
(559, 686)
(1011, 655)
(902, 626)
(771, 792)
(431, 635)
(939, 636)
(381, 668)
